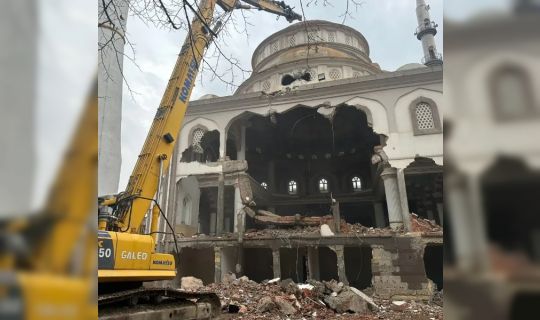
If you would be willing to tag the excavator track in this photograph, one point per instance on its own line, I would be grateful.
(158, 303)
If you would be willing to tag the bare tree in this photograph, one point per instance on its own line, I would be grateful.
(178, 14)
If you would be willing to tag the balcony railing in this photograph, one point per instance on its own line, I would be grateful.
(426, 27)
(434, 57)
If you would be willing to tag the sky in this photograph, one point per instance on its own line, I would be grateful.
(388, 26)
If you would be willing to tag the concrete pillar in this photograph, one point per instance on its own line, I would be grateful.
(313, 263)
(379, 215)
(220, 204)
(337, 217)
(276, 263)
(217, 264)
(339, 250)
(237, 206)
(241, 152)
(389, 176)
(404, 202)
(468, 230)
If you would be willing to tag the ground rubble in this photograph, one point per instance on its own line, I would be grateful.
(418, 225)
(283, 299)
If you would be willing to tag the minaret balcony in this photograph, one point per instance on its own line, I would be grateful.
(434, 59)
(428, 27)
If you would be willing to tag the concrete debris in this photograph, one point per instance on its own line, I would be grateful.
(366, 298)
(325, 231)
(347, 301)
(284, 306)
(190, 283)
(419, 224)
(314, 300)
(229, 277)
(399, 305)
(274, 280)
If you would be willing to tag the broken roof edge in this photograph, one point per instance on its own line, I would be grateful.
(380, 81)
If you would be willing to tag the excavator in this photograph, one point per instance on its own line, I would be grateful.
(127, 257)
(47, 259)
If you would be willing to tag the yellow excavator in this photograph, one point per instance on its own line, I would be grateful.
(47, 260)
(127, 257)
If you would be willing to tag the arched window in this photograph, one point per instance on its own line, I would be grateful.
(323, 185)
(425, 117)
(512, 93)
(292, 187)
(196, 140)
(356, 183)
(264, 185)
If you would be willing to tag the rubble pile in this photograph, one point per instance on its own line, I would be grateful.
(419, 224)
(283, 299)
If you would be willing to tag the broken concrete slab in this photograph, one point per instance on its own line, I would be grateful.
(325, 231)
(366, 298)
(347, 301)
(190, 283)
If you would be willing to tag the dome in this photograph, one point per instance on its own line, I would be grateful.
(326, 50)
(410, 66)
(208, 96)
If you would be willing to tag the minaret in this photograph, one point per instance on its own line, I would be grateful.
(426, 32)
(112, 27)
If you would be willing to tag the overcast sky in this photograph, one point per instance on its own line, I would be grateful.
(388, 26)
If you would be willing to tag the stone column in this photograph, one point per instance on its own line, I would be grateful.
(220, 204)
(313, 263)
(337, 217)
(339, 250)
(379, 215)
(404, 202)
(237, 206)
(389, 176)
(276, 263)
(217, 264)
(241, 152)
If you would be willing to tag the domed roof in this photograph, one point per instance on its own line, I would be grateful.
(410, 66)
(208, 96)
(326, 50)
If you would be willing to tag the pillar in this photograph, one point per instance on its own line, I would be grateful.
(339, 250)
(403, 201)
(220, 204)
(379, 215)
(276, 263)
(337, 217)
(241, 152)
(217, 264)
(468, 230)
(389, 176)
(313, 263)
(237, 206)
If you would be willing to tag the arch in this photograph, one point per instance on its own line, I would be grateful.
(477, 81)
(521, 105)
(189, 127)
(404, 104)
(375, 112)
(426, 108)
